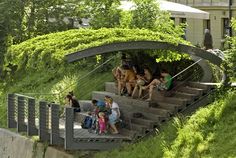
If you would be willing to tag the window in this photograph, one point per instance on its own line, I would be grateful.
(225, 27)
(206, 25)
(182, 20)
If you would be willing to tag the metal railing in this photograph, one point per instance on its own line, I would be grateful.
(47, 127)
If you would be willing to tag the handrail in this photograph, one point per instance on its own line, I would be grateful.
(186, 69)
(83, 77)
(88, 73)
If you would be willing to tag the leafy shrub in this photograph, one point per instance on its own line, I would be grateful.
(48, 51)
(231, 54)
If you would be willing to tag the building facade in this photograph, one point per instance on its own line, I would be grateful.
(218, 23)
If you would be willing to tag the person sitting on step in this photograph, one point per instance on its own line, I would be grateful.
(143, 78)
(71, 102)
(100, 106)
(118, 74)
(129, 79)
(164, 83)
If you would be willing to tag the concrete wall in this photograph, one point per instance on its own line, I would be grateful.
(218, 10)
(13, 145)
(203, 2)
(194, 32)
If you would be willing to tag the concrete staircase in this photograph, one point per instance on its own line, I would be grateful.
(47, 124)
(154, 113)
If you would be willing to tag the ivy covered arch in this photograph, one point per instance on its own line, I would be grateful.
(195, 53)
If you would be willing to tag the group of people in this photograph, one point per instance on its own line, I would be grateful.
(107, 114)
(134, 79)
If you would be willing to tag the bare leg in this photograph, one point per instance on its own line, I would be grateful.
(154, 82)
(150, 91)
(135, 90)
(113, 127)
(119, 87)
(140, 91)
(129, 88)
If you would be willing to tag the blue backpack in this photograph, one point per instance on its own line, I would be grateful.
(88, 121)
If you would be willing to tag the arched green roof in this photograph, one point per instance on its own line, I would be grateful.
(50, 49)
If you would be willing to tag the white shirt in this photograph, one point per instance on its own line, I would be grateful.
(115, 109)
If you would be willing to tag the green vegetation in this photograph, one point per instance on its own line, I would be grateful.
(22, 20)
(231, 54)
(210, 132)
(38, 66)
(49, 50)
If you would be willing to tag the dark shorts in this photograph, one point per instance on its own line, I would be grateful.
(77, 110)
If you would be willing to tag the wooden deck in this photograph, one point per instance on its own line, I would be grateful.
(80, 133)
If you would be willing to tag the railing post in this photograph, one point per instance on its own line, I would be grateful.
(21, 126)
(55, 131)
(11, 109)
(43, 121)
(31, 128)
(69, 128)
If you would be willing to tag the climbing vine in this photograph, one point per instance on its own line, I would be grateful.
(48, 51)
(230, 63)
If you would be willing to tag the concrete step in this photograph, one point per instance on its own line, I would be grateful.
(80, 116)
(139, 128)
(184, 95)
(127, 112)
(99, 95)
(149, 123)
(134, 105)
(191, 90)
(120, 99)
(86, 105)
(172, 100)
(111, 87)
(199, 85)
(130, 133)
(158, 111)
(173, 108)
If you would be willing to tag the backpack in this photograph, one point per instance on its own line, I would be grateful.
(87, 124)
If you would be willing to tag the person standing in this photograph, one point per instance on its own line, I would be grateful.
(208, 42)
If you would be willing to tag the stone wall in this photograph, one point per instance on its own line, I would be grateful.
(13, 145)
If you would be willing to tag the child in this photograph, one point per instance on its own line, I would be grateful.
(102, 123)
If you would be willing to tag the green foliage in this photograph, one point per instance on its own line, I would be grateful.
(125, 19)
(53, 86)
(145, 14)
(22, 20)
(48, 51)
(210, 132)
(231, 54)
(148, 15)
(104, 13)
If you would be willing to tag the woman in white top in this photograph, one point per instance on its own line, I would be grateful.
(115, 114)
